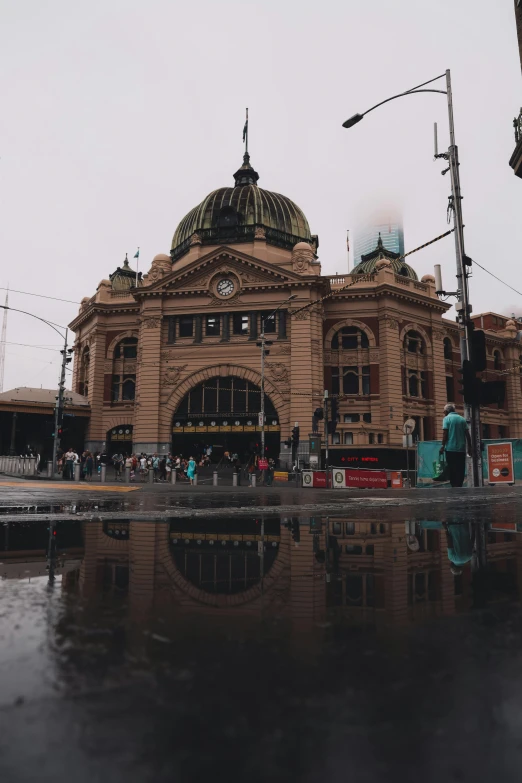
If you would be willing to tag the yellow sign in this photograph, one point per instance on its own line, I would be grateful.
(273, 428)
(225, 429)
(213, 429)
(236, 428)
(189, 429)
(201, 429)
(249, 428)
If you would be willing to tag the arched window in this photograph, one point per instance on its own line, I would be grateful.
(127, 348)
(448, 349)
(83, 384)
(349, 338)
(128, 389)
(417, 386)
(497, 360)
(414, 343)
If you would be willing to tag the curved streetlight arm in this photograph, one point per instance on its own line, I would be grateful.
(49, 323)
(400, 95)
(414, 90)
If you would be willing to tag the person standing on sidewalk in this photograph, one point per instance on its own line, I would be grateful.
(456, 441)
(191, 470)
(70, 459)
(89, 464)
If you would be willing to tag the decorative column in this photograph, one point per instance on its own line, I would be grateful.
(149, 380)
(96, 435)
(390, 378)
(513, 382)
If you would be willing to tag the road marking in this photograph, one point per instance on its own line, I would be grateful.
(42, 485)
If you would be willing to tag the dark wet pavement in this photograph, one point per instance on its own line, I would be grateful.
(336, 646)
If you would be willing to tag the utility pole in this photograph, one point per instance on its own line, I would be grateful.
(58, 409)
(463, 306)
(265, 344)
(325, 405)
(2, 341)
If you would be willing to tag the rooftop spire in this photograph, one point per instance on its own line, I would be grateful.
(246, 174)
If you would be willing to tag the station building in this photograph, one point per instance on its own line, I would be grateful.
(169, 361)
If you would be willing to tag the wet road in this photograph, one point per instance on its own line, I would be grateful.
(336, 646)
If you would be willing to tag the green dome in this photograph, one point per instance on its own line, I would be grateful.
(367, 264)
(232, 215)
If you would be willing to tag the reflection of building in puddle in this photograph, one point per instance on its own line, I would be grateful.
(384, 573)
(237, 567)
(24, 548)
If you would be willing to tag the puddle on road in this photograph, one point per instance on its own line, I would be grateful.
(329, 619)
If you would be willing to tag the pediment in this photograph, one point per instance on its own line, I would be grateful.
(198, 276)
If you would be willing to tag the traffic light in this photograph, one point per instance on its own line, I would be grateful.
(469, 385)
(288, 442)
(334, 411)
(316, 418)
(268, 343)
(478, 350)
(493, 392)
(295, 436)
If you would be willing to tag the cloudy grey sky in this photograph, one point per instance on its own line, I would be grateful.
(118, 116)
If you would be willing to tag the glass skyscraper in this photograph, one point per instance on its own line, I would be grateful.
(388, 225)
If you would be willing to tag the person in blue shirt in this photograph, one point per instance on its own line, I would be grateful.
(455, 442)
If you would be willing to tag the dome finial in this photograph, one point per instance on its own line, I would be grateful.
(126, 262)
(246, 174)
(379, 242)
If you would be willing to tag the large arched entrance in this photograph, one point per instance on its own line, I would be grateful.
(223, 413)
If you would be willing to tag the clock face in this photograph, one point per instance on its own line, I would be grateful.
(225, 287)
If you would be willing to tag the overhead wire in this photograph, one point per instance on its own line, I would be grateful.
(41, 296)
(496, 278)
(319, 301)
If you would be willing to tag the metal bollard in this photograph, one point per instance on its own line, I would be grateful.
(215, 478)
(127, 475)
(77, 472)
(103, 474)
(253, 479)
(195, 479)
(49, 468)
(234, 479)
(173, 476)
(151, 476)
(32, 466)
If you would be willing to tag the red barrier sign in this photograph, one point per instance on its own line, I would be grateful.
(262, 464)
(366, 479)
(500, 463)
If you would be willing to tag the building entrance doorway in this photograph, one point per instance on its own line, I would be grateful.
(222, 414)
(119, 440)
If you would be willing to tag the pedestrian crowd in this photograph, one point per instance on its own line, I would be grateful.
(141, 465)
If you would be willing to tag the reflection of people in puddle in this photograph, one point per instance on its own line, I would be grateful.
(460, 543)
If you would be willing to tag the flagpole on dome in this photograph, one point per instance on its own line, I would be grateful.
(137, 257)
(245, 133)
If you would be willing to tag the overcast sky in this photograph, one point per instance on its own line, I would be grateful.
(118, 116)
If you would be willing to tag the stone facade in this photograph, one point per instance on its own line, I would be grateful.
(377, 341)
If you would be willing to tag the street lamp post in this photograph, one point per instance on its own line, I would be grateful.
(463, 306)
(58, 408)
(262, 343)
